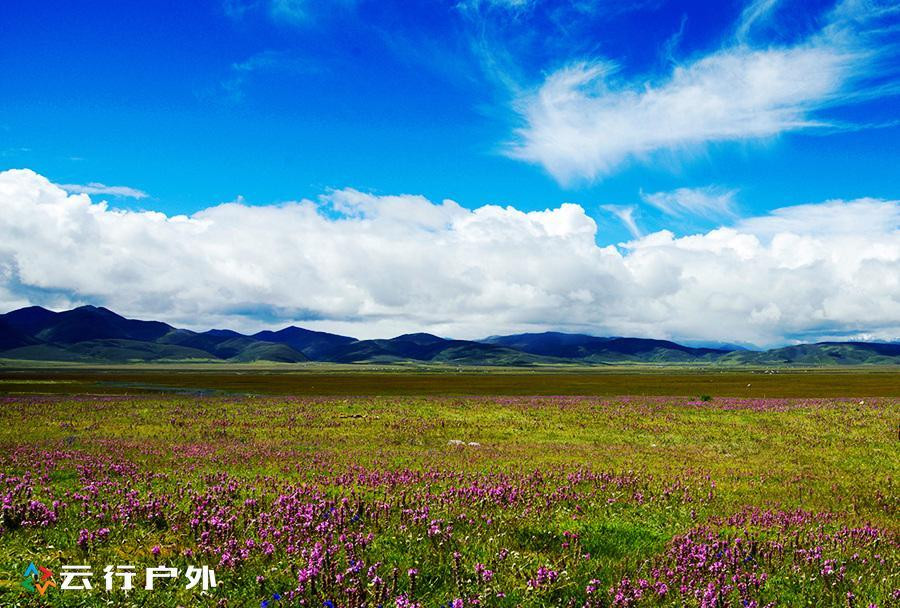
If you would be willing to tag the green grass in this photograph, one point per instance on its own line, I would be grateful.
(835, 456)
(364, 379)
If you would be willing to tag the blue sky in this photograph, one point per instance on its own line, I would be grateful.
(196, 103)
(652, 115)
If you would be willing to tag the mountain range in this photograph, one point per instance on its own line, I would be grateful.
(94, 334)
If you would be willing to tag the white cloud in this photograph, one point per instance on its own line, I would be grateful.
(830, 219)
(375, 265)
(752, 14)
(709, 201)
(98, 188)
(586, 120)
(625, 213)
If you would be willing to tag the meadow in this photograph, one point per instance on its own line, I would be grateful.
(317, 379)
(442, 500)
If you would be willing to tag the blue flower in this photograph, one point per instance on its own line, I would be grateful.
(328, 604)
(264, 604)
(276, 596)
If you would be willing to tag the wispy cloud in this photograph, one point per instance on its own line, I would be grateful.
(708, 201)
(14, 151)
(586, 119)
(98, 188)
(237, 9)
(625, 214)
(267, 61)
(289, 12)
(510, 5)
(753, 13)
(296, 11)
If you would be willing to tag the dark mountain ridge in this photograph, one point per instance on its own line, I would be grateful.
(316, 345)
(97, 334)
(580, 346)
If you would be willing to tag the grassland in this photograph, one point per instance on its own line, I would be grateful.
(459, 500)
(317, 379)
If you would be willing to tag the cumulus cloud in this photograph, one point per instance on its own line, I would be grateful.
(586, 119)
(370, 264)
(98, 188)
(708, 201)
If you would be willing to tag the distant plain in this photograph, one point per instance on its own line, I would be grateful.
(17, 377)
